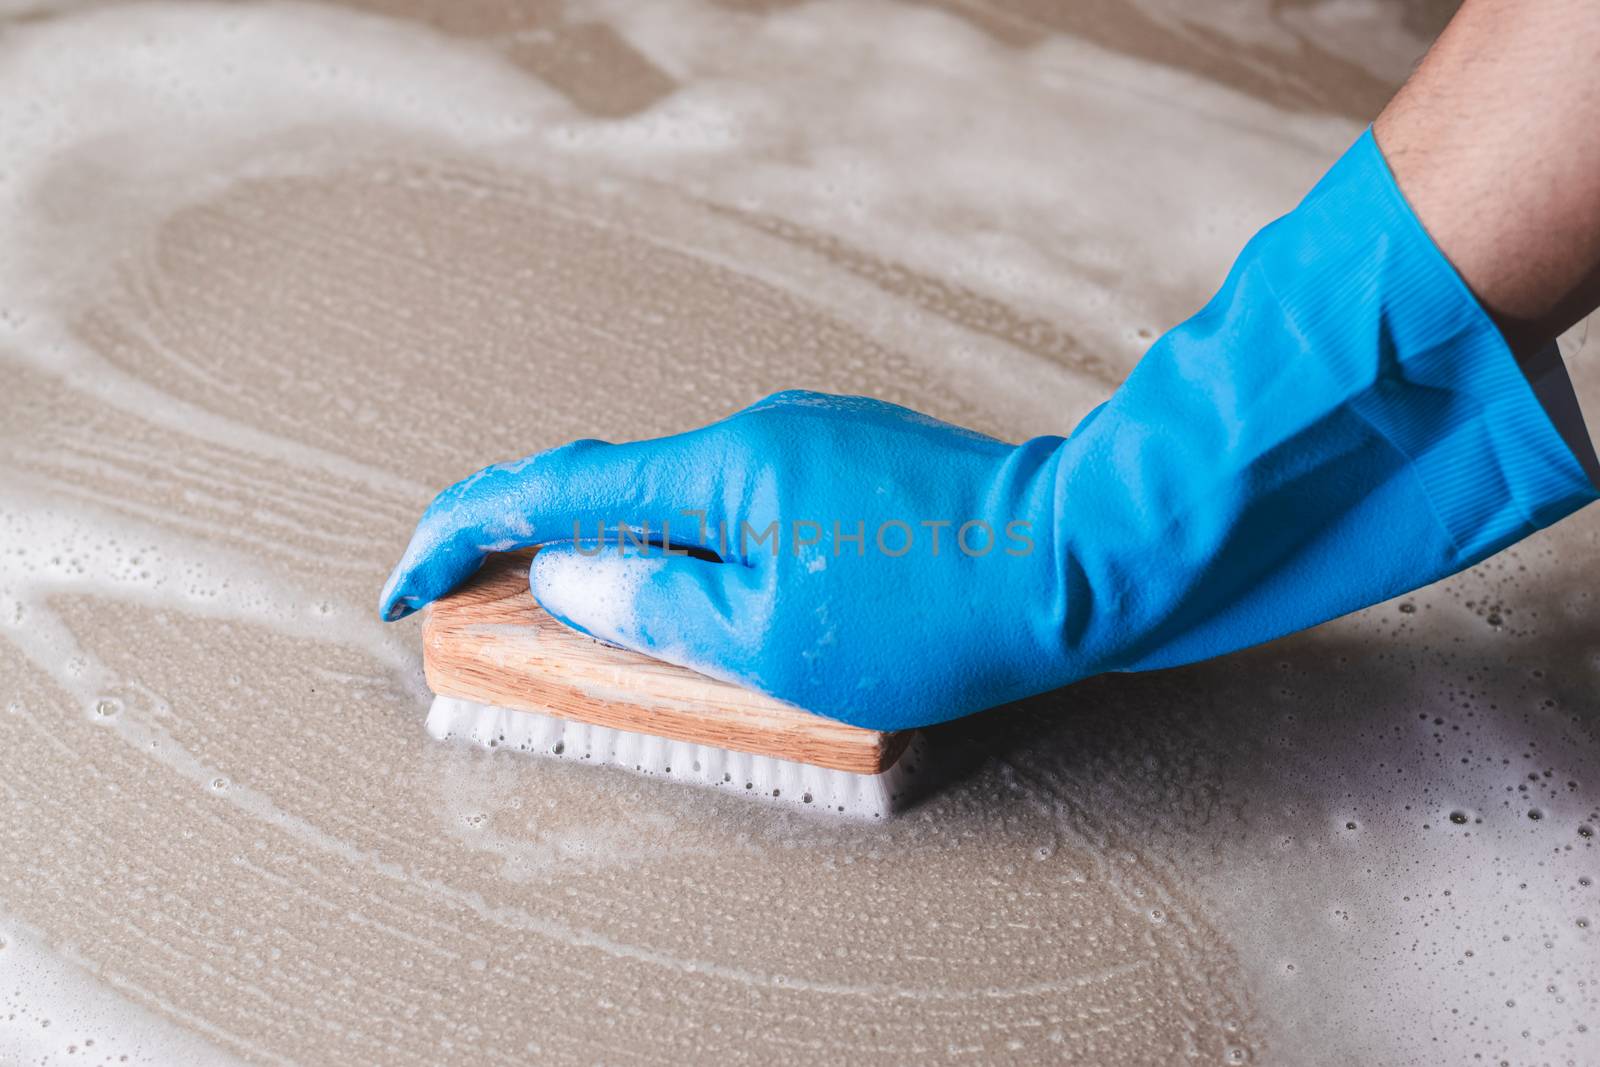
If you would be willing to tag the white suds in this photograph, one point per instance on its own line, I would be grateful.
(597, 592)
(785, 781)
(55, 1010)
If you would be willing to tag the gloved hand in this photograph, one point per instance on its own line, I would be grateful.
(882, 567)
(1341, 423)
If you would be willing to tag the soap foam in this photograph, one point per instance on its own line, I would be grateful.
(55, 1010)
(240, 245)
(596, 591)
(762, 778)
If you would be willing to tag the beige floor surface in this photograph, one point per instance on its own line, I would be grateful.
(271, 274)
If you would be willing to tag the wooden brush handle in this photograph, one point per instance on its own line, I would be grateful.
(490, 642)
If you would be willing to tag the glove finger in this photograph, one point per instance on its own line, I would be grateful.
(548, 497)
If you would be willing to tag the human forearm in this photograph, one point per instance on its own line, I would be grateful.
(1493, 142)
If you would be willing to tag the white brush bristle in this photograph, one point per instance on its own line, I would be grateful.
(766, 777)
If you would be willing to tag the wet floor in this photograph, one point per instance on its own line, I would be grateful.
(270, 275)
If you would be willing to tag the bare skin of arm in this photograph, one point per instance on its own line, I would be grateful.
(1495, 141)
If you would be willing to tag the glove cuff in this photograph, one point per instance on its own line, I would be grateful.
(1356, 272)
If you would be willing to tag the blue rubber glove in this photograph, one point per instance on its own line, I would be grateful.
(1340, 424)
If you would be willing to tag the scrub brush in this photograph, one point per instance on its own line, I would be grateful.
(507, 675)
